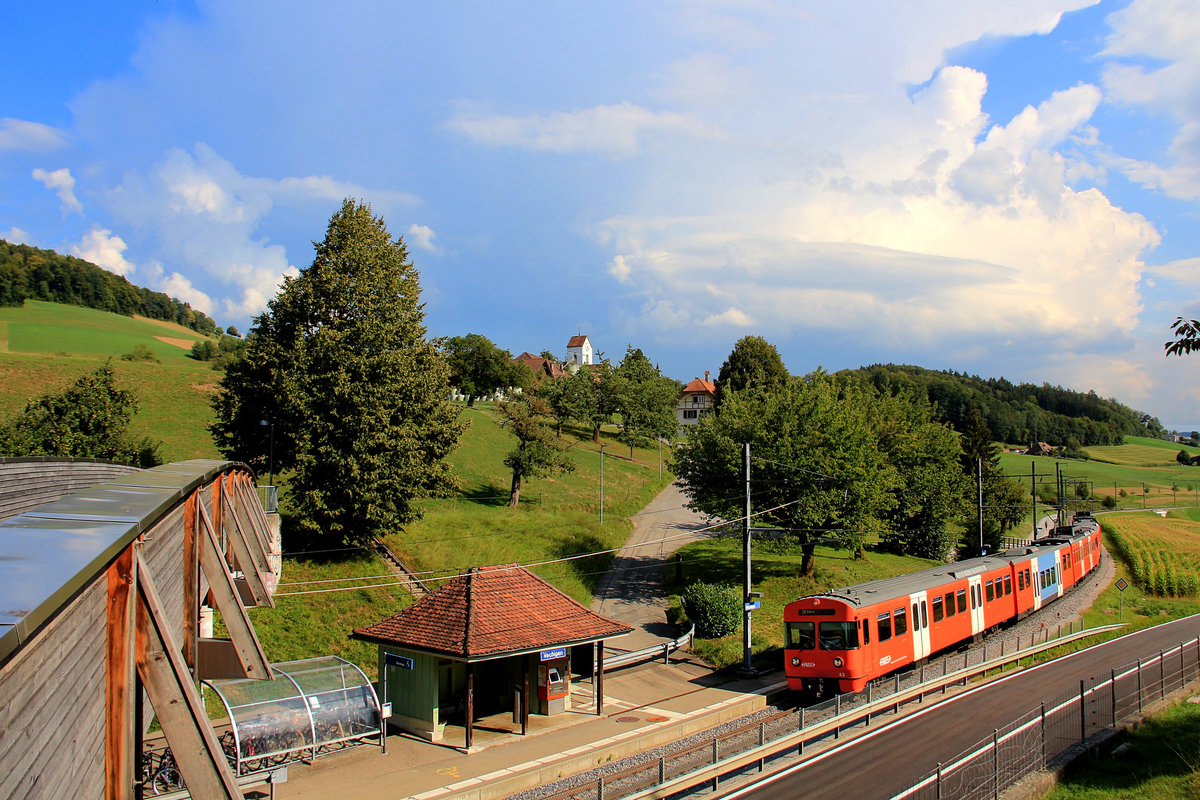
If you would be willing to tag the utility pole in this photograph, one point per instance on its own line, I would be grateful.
(747, 657)
(602, 483)
(979, 466)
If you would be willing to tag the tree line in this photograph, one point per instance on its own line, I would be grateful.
(31, 273)
(1022, 413)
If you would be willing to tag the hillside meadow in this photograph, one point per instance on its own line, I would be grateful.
(45, 346)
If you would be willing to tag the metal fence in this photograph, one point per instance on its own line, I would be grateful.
(709, 756)
(1045, 733)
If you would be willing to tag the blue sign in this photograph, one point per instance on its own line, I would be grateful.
(393, 660)
(551, 655)
(753, 606)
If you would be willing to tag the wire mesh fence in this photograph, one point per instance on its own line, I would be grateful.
(1044, 734)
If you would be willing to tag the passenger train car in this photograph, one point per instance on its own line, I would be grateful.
(842, 640)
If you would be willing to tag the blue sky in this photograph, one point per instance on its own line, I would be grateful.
(995, 188)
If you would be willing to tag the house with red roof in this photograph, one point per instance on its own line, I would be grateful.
(696, 400)
(491, 640)
(540, 367)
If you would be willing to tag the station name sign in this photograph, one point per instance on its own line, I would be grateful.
(551, 655)
(393, 660)
(815, 612)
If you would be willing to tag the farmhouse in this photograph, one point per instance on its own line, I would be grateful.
(696, 400)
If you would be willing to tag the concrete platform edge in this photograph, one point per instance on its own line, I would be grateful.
(531, 775)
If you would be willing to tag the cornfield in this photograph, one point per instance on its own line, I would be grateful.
(1162, 555)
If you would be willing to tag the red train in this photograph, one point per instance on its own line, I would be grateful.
(842, 640)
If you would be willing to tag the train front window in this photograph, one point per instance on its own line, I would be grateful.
(839, 636)
(802, 635)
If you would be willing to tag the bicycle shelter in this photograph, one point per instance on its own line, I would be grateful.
(308, 708)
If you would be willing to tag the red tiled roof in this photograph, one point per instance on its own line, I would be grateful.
(577, 341)
(538, 364)
(699, 385)
(490, 611)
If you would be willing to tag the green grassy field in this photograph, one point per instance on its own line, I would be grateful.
(557, 518)
(1144, 469)
(45, 346)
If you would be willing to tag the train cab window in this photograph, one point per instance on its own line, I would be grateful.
(938, 612)
(885, 626)
(838, 636)
(949, 604)
(866, 631)
(991, 591)
(962, 601)
(802, 635)
(1007, 585)
(901, 621)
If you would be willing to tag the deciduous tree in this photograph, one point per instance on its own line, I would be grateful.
(478, 367)
(90, 419)
(341, 366)
(538, 452)
(817, 471)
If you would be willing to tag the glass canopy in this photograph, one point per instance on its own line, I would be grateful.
(308, 708)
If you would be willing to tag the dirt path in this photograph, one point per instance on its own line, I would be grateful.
(632, 590)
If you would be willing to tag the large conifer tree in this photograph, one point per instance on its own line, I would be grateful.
(341, 366)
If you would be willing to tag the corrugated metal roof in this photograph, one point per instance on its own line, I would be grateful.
(49, 554)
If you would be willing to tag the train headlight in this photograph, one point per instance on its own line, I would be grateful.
(837, 662)
(795, 661)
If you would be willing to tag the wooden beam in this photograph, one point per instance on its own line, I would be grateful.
(121, 690)
(239, 510)
(225, 599)
(191, 579)
(177, 702)
(243, 556)
(254, 511)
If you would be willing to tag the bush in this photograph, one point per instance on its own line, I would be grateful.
(716, 610)
(141, 353)
(1109, 501)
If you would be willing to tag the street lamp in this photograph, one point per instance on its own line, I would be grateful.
(271, 452)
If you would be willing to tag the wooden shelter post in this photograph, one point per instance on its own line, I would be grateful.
(470, 704)
(600, 678)
(525, 664)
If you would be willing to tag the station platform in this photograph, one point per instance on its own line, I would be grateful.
(645, 705)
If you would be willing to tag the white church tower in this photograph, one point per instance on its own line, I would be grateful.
(579, 351)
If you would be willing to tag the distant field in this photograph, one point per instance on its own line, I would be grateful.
(1145, 469)
(49, 345)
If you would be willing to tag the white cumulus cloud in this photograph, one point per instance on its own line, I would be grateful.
(101, 247)
(421, 236)
(62, 183)
(15, 235)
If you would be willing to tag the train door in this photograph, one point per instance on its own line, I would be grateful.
(1035, 581)
(976, 592)
(1046, 578)
(920, 626)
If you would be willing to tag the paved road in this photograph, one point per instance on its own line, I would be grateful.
(632, 590)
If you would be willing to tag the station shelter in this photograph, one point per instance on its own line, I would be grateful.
(491, 640)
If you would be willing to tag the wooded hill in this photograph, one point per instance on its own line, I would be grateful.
(31, 273)
(1018, 413)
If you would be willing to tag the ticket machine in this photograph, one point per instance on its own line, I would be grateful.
(553, 681)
